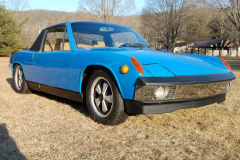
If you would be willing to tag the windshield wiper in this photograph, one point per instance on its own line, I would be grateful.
(137, 45)
(124, 45)
(131, 45)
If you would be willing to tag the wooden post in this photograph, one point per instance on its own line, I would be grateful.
(219, 52)
(198, 50)
(237, 53)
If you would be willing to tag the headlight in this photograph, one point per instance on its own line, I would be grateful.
(161, 92)
(149, 93)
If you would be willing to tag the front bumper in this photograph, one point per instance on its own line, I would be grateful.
(166, 107)
(186, 92)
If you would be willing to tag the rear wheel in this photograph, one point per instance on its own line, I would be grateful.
(19, 83)
(104, 101)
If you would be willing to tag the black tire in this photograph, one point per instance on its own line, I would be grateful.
(19, 83)
(101, 91)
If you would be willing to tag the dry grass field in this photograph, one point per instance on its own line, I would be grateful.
(41, 126)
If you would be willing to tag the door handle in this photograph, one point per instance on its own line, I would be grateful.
(35, 55)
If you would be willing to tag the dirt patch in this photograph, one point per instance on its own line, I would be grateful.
(41, 126)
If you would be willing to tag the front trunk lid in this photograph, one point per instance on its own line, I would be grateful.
(179, 65)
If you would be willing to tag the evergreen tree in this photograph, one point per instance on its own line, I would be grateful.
(11, 40)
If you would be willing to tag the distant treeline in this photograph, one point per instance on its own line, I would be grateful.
(161, 22)
(199, 24)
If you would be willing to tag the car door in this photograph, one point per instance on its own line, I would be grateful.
(53, 65)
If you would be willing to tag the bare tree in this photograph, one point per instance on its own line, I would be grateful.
(18, 5)
(218, 24)
(106, 10)
(153, 29)
(170, 18)
(232, 11)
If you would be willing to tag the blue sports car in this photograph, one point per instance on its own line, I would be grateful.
(115, 71)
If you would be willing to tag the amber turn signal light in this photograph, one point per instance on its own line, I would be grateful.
(137, 65)
(124, 69)
(226, 64)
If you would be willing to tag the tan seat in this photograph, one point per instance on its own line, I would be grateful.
(58, 45)
(66, 46)
(100, 44)
(47, 47)
(84, 46)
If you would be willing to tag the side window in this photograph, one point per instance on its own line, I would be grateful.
(54, 39)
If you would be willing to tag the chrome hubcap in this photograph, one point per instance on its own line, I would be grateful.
(101, 97)
(18, 78)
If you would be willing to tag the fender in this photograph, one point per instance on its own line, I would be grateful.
(19, 63)
(105, 66)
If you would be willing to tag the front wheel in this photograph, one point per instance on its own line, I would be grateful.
(104, 102)
(19, 83)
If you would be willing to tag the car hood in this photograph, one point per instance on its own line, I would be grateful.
(177, 64)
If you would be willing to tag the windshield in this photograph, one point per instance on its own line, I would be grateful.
(93, 35)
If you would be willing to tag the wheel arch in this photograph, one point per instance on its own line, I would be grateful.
(86, 73)
(20, 64)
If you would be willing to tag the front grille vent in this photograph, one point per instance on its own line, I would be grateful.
(171, 93)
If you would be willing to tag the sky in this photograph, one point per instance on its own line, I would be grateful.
(66, 5)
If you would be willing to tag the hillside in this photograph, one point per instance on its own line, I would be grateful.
(40, 19)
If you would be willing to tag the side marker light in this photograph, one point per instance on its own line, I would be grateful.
(124, 69)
